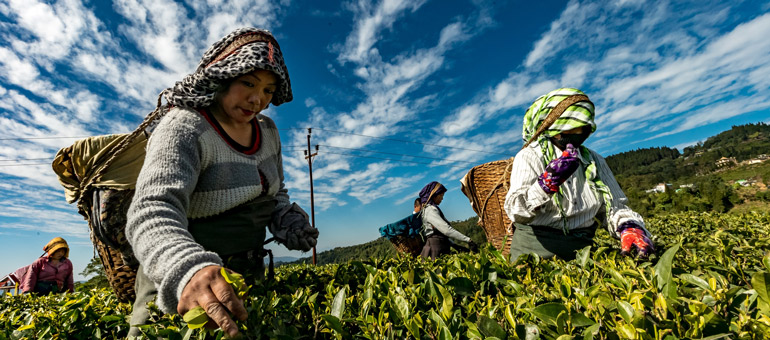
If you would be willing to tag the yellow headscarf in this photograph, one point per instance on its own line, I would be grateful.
(56, 244)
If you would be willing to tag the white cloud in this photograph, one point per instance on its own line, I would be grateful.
(56, 27)
(370, 21)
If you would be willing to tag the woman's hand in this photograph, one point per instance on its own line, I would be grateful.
(208, 289)
(559, 170)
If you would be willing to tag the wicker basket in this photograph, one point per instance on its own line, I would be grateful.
(120, 275)
(107, 221)
(408, 245)
(485, 186)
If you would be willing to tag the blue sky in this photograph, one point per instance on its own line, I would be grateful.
(455, 76)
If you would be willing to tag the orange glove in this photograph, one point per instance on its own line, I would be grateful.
(634, 237)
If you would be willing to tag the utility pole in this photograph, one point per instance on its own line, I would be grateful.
(309, 156)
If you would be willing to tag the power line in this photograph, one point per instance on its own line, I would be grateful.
(390, 159)
(53, 137)
(31, 164)
(398, 154)
(287, 129)
(414, 142)
(25, 159)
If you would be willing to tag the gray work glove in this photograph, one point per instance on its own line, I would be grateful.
(291, 228)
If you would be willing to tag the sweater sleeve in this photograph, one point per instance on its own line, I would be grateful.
(273, 143)
(157, 220)
(282, 196)
(30, 278)
(69, 282)
(432, 217)
(620, 212)
(525, 196)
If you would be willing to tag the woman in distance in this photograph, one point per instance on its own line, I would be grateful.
(436, 228)
(52, 272)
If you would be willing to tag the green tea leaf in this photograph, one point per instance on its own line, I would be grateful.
(694, 280)
(583, 256)
(196, 318)
(236, 281)
(590, 332)
(627, 331)
(338, 305)
(626, 311)
(509, 316)
(580, 320)
(108, 318)
(402, 308)
(490, 328)
(663, 267)
(445, 334)
(413, 328)
(766, 261)
(26, 327)
(462, 286)
(333, 322)
(473, 330)
(447, 304)
(761, 283)
(548, 312)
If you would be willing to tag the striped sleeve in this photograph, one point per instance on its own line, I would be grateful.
(525, 197)
(620, 213)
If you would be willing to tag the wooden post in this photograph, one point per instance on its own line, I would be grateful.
(309, 156)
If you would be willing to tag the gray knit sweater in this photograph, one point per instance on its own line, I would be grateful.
(191, 172)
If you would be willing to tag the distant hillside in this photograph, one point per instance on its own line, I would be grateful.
(644, 168)
(697, 183)
(382, 248)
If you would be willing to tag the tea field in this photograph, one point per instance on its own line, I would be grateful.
(710, 279)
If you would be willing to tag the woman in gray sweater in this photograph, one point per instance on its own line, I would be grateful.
(212, 181)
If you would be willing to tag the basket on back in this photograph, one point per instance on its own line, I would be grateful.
(485, 186)
(100, 174)
(405, 234)
(103, 196)
(408, 245)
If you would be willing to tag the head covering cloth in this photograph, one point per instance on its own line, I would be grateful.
(429, 191)
(576, 115)
(241, 52)
(55, 244)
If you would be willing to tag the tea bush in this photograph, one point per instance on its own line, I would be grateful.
(709, 279)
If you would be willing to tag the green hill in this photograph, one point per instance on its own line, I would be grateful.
(644, 168)
(383, 248)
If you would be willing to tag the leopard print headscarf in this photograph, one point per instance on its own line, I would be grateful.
(240, 52)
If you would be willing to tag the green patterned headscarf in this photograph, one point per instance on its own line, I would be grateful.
(577, 115)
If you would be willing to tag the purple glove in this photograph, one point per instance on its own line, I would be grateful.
(558, 170)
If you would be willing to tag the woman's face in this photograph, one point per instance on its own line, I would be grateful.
(575, 136)
(438, 198)
(57, 255)
(248, 95)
